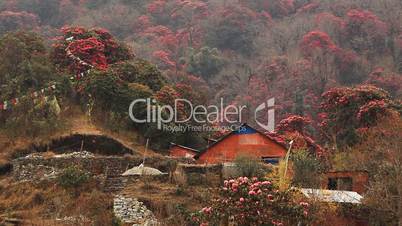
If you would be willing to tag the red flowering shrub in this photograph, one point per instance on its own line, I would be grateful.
(168, 44)
(293, 128)
(345, 66)
(164, 59)
(390, 82)
(346, 110)
(11, 21)
(90, 49)
(167, 96)
(364, 30)
(317, 40)
(293, 123)
(252, 202)
(308, 8)
(370, 112)
(178, 13)
(95, 47)
(156, 7)
(330, 24)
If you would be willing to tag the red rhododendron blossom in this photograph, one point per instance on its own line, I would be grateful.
(317, 40)
(91, 50)
(308, 8)
(247, 200)
(156, 6)
(164, 58)
(79, 48)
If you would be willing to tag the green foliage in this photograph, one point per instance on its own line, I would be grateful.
(72, 177)
(235, 31)
(116, 221)
(205, 63)
(110, 93)
(139, 71)
(95, 4)
(306, 169)
(23, 58)
(248, 166)
(32, 119)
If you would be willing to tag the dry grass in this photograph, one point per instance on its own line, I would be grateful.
(42, 204)
(163, 197)
(75, 122)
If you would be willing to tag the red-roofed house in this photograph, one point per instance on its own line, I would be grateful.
(244, 141)
(180, 151)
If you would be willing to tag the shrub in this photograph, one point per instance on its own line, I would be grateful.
(72, 177)
(306, 169)
(253, 202)
(248, 166)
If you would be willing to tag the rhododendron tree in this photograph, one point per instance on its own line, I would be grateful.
(330, 24)
(317, 40)
(365, 31)
(249, 201)
(347, 109)
(167, 95)
(168, 45)
(391, 82)
(95, 47)
(178, 13)
(294, 127)
(293, 123)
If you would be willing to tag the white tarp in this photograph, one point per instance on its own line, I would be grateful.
(332, 195)
(142, 170)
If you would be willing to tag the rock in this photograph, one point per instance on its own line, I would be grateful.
(132, 211)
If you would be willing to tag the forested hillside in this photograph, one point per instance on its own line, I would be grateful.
(242, 51)
(333, 67)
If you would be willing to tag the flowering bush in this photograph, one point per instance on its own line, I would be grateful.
(391, 82)
(293, 128)
(317, 40)
(253, 202)
(96, 47)
(347, 109)
(293, 123)
(364, 30)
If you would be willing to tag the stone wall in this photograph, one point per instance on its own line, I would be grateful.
(107, 169)
(132, 211)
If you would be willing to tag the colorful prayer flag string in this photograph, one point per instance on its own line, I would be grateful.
(5, 105)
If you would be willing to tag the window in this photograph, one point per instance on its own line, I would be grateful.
(271, 160)
(340, 183)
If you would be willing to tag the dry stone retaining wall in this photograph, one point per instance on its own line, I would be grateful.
(132, 211)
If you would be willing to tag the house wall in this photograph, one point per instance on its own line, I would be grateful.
(177, 151)
(254, 144)
(359, 179)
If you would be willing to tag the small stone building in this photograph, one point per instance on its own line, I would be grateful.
(346, 180)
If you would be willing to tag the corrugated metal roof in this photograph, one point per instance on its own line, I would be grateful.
(333, 195)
